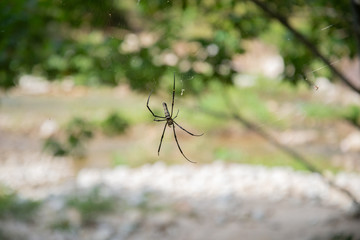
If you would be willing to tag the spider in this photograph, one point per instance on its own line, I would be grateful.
(170, 121)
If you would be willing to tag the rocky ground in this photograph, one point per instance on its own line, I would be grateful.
(215, 201)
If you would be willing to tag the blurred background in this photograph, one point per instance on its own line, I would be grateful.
(274, 87)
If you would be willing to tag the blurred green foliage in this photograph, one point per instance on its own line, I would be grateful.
(342, 236)
(12, 206)
(78, 131)
(139, 41)
(352, 114)
(91, 205)
(320, 111)
(56, 147)
(62, 225)
(114, 124)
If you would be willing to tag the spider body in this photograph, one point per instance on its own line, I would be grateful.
(166, 111)
(169, 121)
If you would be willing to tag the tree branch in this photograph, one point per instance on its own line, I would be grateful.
(306, 42)
(355, 5)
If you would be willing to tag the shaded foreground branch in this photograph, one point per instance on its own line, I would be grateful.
(306, 42)
(355, 6)
(282, 147)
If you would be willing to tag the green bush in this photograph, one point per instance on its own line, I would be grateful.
(91, 205)
(12, 206)
(54, 146)
(114, 124)
(77, 132)
(71, 141)
(352, 114)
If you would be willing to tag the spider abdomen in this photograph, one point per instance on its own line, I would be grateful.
(169, 120)
(166, 111)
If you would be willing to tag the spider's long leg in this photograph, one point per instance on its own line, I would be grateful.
(195, 135)
(179, 145)
(162, 136)
(172, 104)
(176, 114)
(147, 105)
(159, 120)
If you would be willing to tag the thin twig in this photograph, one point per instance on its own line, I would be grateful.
(306, 42)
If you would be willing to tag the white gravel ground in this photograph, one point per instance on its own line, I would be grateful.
(219, 180)
(215, 201)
